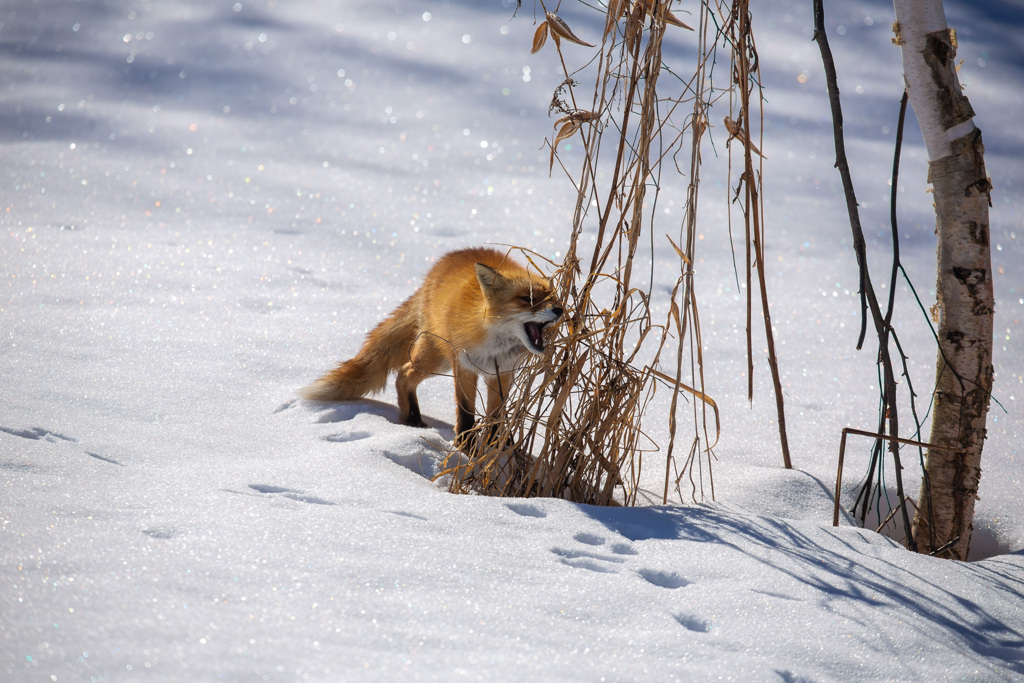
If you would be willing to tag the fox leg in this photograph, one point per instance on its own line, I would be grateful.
(424, 361)
(465, 399)
(497, 390)
(409, 377)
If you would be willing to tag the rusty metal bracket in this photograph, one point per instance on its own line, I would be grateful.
(874, 435)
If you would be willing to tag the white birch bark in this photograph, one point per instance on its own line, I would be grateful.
(964, 305)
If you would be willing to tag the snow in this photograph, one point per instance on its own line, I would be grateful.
(207, 204)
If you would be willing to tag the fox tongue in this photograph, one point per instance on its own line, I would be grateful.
(533, 331)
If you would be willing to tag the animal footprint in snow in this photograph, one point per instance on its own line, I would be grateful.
(593, 557)
(589, 539)
(589, 565)
(691, 623)
(104, 458)
(285, 406)
(586, 559)
(663, 579)
(50, 436)
(526, 510)
(596, 540)
(38, 434)
(161, 532)
(410, 515)
(343, 412)
(344, 437)
(291, 494)
(267, 488)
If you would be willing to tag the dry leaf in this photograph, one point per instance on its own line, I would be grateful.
(634, 27)
(561, 30)
(540, 37)
(674, 314)
(651, 7)
(700, 125)
(674, 20)
(616, 9)
(679, 251)
(735, 132)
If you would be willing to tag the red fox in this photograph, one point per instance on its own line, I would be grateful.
(478, 312)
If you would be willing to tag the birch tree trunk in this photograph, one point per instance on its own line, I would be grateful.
(964, 305)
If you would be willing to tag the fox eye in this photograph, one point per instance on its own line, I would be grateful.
(528, 300)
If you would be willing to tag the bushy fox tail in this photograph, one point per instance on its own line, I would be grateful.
(385, 350)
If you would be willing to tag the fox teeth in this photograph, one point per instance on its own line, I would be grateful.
(535, 332)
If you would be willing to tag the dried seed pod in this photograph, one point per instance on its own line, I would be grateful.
(568, 129)
(583, 115)
(570, 123)
(540, 37)
(560, 29)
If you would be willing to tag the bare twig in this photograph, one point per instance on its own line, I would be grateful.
(868, 299)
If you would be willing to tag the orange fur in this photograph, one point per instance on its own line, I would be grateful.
(478, 312)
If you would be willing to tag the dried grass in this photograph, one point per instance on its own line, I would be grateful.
(573, 424)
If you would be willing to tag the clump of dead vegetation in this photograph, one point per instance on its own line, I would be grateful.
(573, 425)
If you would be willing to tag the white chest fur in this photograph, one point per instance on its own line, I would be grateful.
(501, 352)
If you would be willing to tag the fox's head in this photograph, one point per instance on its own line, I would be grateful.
(523, 301)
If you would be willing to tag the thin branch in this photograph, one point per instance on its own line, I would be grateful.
(889, 407)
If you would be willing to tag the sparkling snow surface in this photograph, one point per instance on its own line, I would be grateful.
(206, 204)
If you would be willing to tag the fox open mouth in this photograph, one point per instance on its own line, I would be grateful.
(535, 333)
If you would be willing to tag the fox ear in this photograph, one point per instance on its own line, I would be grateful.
(488, 277)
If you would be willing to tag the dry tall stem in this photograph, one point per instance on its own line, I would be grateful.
(746, 79)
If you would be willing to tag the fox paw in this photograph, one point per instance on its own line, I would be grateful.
(466, 441)
(414, 422)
